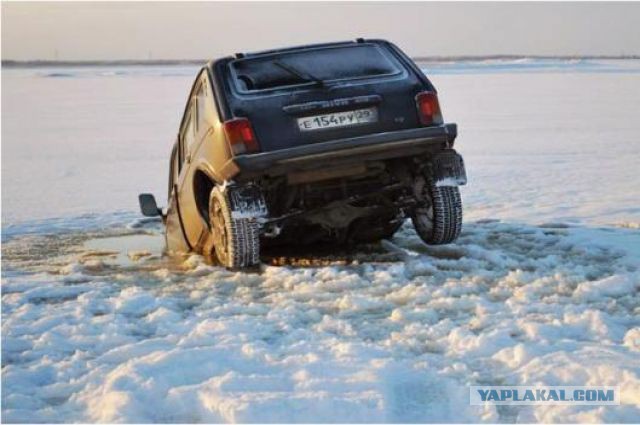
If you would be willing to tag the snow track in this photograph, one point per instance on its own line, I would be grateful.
(90, 334)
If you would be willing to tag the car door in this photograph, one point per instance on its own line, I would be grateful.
(175, 235)
(191, 219)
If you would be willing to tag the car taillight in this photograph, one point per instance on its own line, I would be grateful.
(240, 136)
(428, 108)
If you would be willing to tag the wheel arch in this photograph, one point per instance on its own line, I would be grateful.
(203, 183)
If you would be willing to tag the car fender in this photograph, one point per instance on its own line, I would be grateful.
(205, 167)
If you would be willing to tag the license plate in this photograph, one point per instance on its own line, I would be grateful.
(338, 119)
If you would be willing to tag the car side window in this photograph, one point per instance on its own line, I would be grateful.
(188, 136)
(201, 107)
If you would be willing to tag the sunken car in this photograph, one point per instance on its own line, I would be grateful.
(327, 143)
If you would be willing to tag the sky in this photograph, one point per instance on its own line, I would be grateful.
(176, 30)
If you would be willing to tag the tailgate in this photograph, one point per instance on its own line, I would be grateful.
(323, 115)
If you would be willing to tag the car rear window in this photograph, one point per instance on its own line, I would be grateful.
(302, 67)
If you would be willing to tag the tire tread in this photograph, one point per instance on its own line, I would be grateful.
(243, 236)
(447, 216)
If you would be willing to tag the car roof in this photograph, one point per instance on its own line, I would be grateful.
(211, 64)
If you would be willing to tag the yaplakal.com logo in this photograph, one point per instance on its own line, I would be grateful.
(523, 395)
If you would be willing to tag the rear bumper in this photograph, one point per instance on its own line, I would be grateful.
(371, 147)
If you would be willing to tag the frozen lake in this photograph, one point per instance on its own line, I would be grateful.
(542, 140)
(543, 286)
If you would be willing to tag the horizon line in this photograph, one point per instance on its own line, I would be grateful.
(16, 63)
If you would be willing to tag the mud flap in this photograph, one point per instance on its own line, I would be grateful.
(447, 169)
(247, 201)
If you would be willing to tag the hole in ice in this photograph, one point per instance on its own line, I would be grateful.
(325, 255)
(125, 250)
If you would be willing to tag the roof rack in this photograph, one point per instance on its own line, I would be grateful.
(288, 49)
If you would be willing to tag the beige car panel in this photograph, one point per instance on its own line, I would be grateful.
(174, 236)
(203, 146)
(188, 211)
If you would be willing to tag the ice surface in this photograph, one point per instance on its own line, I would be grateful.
(543, 286)
(89, 143)
(532, 65)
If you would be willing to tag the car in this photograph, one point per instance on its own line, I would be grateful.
(332, 143)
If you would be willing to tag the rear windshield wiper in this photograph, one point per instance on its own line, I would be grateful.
(304, 76)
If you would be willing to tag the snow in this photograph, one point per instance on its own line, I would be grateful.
(543, 286)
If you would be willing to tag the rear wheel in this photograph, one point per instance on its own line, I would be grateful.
(236, 241)
(438, 220)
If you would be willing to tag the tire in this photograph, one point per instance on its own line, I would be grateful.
(440, 221)
(236, 241)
